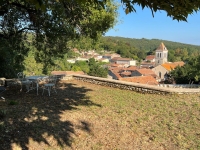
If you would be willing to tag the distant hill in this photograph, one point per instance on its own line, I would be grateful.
(152, 44)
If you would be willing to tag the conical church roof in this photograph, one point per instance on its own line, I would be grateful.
(161, 47)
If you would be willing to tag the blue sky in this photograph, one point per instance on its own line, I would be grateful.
(143, 25)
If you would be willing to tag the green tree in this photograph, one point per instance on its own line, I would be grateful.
(92, 62)
(141, 54)
(171, 57)
(180, 75)
(189, 73)
(12, 55)
(83, 65)
(96, 69)
(62, 64)
(176, 9)
(31, 66)
(76, 68)
(51, 24)
(184, 54)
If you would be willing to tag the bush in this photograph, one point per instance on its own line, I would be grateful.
(2, 114)
(13, 102)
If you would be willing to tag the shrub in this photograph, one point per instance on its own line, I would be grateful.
(2, 114)
(13, 102)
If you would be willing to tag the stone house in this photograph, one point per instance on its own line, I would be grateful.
(162, 70)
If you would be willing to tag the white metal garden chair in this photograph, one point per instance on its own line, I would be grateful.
(23, 81)
(50, 84)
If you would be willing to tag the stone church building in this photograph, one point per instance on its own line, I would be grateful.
(162, 66)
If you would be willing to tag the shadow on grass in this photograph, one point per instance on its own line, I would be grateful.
(38, 117)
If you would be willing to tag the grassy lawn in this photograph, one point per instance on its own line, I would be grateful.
(84, 116)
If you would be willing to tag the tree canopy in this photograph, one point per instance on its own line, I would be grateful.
(97, 70)
(178, 10)
(47, 29)
(189, 73)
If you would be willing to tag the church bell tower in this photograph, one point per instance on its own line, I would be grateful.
(161, 55)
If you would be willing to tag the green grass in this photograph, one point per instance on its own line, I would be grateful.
(105, 118)
(170, 121)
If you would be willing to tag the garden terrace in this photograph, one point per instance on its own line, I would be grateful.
(89, 116)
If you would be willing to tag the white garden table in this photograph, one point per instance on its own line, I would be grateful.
(36, 80)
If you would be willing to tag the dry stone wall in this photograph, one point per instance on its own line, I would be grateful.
(122, 84)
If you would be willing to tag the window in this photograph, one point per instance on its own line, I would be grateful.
(160, 74)
(158, 61)
(160, 55)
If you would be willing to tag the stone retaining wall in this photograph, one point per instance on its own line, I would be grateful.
(180, 85)
(122, 84)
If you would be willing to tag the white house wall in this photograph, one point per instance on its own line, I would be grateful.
(122, 62)
(132, 63)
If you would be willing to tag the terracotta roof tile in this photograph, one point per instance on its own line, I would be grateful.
(147, 63)
(132, 68)
(180, 63)
(150, 57)
(115, 69)
(171, 66)
(145, 71)
(116, 74)
(141, 79)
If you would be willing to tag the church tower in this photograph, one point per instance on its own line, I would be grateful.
(161, 55)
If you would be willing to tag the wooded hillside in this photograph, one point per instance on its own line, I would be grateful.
(139, 48)
(151, 44)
